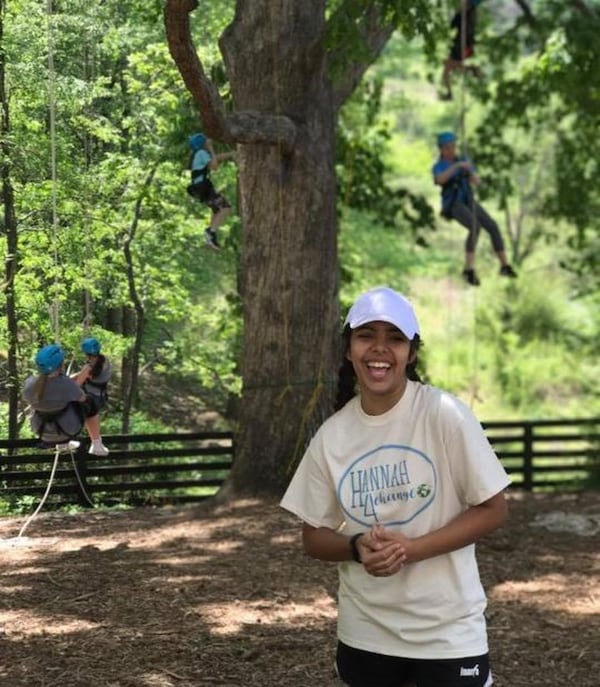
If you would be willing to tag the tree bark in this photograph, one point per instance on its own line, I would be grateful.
(289, 273)
(285, 108)
(133, 356)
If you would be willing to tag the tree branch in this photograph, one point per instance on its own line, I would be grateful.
(374, 32)
(236, 127)
(183, 52)
(527, 13)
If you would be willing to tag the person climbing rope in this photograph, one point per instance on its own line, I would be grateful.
(203, 160)
(456, 175)
(464, 18)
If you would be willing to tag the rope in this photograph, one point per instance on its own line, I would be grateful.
(57, 453)
(462, 126)
(474, 350)
(55, 306)
(319, 383)
(80, 482)
(280, 239)
(89, 155)
(45, 496)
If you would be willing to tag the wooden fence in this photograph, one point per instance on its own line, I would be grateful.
(175, 468)
(141, 469)
(541, 454)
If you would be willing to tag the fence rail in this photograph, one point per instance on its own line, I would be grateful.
(140, 469)
(548, 453)
(186, 467)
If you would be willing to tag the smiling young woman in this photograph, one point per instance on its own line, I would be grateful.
(380, 353)
(396, 487)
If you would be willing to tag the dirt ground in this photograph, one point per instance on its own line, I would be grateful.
(222, 595)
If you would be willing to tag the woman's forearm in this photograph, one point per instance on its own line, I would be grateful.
(466, 529)
(326, 544)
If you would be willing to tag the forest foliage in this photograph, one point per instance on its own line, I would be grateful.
(93, 140)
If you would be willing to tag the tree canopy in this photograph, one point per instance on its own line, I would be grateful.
(100, 238)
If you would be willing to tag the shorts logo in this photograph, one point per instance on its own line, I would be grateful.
(470, 672)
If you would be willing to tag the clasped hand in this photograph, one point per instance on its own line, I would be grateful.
(383, 552)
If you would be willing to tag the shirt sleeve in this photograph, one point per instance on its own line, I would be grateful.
(439, 167)
(476, 470)
(201, 159)
(311, 495)
(27, 393)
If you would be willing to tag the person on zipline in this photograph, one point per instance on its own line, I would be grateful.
(93, 378)
(455, 59)
(456, 175)
(203, 160)
(57, 404)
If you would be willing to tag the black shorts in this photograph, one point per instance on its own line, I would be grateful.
(92, 405)
(206, 193)
(456, 52)
(358, 668)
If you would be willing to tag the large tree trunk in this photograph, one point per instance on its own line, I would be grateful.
(289, 271)
(285, 110)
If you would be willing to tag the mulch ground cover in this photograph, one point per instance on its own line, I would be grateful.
(221, 594)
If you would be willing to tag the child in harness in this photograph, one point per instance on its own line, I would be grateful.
(56, 401)
(456, 175)
(59, 406)
(93, 378)
(203, 160)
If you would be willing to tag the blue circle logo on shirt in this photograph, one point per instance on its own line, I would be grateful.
(390, 485)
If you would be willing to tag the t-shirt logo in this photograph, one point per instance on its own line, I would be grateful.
(391, 484)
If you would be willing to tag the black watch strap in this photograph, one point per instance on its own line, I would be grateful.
(354, 547)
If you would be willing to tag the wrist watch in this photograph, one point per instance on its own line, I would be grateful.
(354, 547)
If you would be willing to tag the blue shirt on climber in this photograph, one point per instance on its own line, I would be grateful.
(457, 188)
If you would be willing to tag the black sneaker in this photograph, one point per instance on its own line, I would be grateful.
(210, 236)
(471, 277)
(507, 271)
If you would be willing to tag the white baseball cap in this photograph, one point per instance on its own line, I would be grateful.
(385, 305)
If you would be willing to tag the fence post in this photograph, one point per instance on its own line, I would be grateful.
(528, 456)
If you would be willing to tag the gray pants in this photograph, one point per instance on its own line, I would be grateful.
(474, 217)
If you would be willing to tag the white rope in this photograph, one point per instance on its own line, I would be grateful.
(55, 306)
(45, 496)
(57, 453)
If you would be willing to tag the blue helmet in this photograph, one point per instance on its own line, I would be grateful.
(446, 137)
(197, 141)
(49, 358)
(90, 346)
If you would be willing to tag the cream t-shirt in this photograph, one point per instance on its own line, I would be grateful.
(414, 468)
